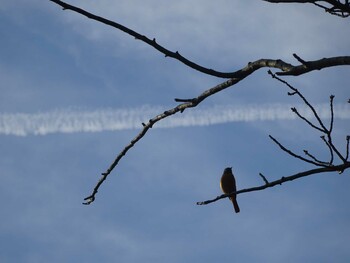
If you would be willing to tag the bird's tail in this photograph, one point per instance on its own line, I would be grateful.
(235, 205)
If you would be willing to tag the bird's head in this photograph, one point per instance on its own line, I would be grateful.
(228, 169)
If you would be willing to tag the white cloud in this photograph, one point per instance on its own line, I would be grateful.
(77, 120)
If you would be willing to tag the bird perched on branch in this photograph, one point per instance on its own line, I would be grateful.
(228, 185)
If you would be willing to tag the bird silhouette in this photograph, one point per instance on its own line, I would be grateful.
(228, 185)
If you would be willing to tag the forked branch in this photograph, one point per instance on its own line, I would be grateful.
(322, 127)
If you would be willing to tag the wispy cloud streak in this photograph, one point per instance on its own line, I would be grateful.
(78, 120)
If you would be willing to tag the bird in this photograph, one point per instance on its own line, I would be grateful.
(228, 185)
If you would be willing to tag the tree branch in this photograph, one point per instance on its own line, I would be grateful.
(329, 148)
(316, 163)
(337, 8)
(323, 128)
(338, 168)
(180, 108)
(287, 69)
(317, 160)
(297, 92)
(315, 65)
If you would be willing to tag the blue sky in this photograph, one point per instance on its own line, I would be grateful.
(74, 92)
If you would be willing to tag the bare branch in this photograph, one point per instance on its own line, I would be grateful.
(334, 149)
(329, 142)
(300, 60)
(295, 155)
(287, 69)
(264, 178)
(333, 11)
(338, 168)
(323, 128)
(330, 149)
(331, 98)
(151, 42)
(335, 8)
(306, 120)
(180, 108)
(315, 65)
(296, 91)
(315, 159)
(176, 55)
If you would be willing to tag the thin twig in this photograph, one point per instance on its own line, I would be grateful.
(347, 147)
(300, 60)
(323, 129)
(264, 178)
(331, 98)
(330, 143)
(315, 159)
(295, 155)
(296, 91)
(306, 120)
(329, 147)
(337, 168)
(334, 149)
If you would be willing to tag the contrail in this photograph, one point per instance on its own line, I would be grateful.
(79, 120)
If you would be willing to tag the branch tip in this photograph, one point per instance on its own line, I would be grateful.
(347, 148)
(184, 100)
(89, 200)
(300, 59)
(264, 178)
